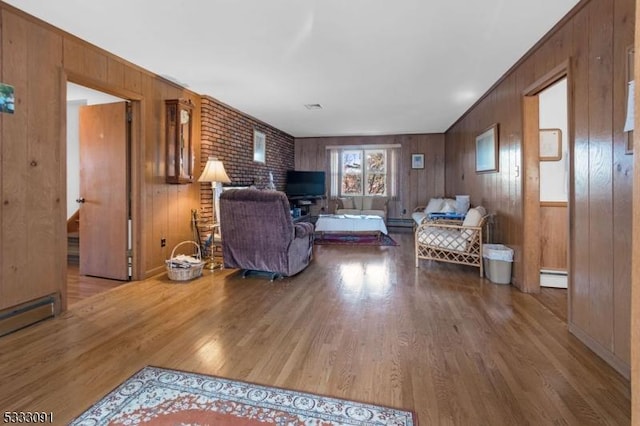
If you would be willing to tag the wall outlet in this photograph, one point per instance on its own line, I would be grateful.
(163, 242)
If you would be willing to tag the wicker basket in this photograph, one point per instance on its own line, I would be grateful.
(185, 274)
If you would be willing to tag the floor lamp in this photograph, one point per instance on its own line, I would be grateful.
(214, 172)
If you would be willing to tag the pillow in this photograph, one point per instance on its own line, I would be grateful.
(435, 204)
(448, 206)
(357, 202)
(462, 204)
(347, 203)
(378, 203)
(366, 203)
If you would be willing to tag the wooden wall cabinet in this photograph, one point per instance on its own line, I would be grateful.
(180, 157)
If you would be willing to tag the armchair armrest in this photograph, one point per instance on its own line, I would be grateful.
(303, 229)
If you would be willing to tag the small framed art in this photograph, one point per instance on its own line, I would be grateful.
(487, 150)
(550, 144)
(417, 161)
(259, 147)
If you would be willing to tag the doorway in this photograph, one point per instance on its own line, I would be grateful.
(554, 185)
(98, 192)
(547, 151)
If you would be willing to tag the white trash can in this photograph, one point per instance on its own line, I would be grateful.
(497, 260)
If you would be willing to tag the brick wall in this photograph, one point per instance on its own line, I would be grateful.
(228, 135)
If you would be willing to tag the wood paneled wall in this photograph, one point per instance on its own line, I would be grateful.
(595, 38)
(554, 228)
(635, 249)
(37, 59)
(417, 186)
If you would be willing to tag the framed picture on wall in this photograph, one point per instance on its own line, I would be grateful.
(417, 161)
(550, 144)
(630, 99)
(487, 150)
(7, 99)
(259, 147)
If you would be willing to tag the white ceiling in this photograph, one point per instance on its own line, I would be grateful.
(376, 66)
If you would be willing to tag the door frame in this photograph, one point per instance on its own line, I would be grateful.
(531, 178)
(135, 154)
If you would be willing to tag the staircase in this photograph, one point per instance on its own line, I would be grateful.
(73, 248)
(73, 239)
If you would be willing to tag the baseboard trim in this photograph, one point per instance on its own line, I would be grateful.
(615, 362)
(25, 314)
(155, 271)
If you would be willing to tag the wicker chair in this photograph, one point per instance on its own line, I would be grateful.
(460, 244)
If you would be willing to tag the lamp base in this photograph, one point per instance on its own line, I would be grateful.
(213, 265)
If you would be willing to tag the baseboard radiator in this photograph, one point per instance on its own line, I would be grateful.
(399, 223)
(17, 317)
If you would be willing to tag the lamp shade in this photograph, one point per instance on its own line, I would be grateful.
(214, 172)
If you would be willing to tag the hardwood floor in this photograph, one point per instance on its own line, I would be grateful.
(554, 299)
(359, 323)
(81, 287)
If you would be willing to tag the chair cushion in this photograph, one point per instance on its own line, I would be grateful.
(435, 204)
(418, 217)
(442, 238)
(472, 218)
(347, 202)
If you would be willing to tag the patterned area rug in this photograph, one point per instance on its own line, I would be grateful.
(157, 396)
(354, 239)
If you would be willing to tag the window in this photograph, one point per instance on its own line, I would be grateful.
(376, 172)
(363, 171)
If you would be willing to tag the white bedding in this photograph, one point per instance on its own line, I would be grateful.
(350, 223)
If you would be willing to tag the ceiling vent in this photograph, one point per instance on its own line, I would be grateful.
(313, 106)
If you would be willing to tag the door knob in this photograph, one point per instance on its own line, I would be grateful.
(80, 200)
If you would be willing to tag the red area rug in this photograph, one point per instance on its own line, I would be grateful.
(354, 239)
(157, 396)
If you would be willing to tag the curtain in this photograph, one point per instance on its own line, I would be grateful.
(334, 173)
(393, 173)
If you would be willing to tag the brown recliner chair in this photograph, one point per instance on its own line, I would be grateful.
(258, 233)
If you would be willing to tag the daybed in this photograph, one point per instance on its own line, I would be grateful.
(435, 205)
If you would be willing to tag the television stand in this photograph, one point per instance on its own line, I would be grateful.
(305, 197)
(306, 204)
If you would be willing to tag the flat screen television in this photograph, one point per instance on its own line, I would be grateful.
(305, 184)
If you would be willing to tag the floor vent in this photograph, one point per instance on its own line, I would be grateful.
(23, 315)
